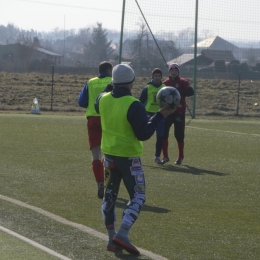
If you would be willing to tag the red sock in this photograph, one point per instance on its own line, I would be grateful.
(165, 148)
(98, 169)
(181, 148)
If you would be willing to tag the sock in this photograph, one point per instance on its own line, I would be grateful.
(111, 232)
(158, 146)
(181, 148)
(165, 148)
(98, 170)
(123, 230)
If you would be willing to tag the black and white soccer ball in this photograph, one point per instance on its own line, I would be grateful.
(168, 96)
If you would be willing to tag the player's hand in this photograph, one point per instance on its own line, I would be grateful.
(165, 111)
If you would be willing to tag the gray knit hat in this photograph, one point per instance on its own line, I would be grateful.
(122, 74)
(174, 66)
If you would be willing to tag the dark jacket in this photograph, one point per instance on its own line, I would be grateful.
(185, 89)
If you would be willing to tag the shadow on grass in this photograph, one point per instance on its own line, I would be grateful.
(121, 203)
(186, 169)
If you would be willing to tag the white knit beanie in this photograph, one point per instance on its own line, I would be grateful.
(122, 74)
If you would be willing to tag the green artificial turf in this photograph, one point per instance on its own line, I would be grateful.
(13, 248)
(207, 208)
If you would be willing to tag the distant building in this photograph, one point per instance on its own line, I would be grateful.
(209, 50)
(19, 54)
(40, 54)
(219, 44)
(206, 58)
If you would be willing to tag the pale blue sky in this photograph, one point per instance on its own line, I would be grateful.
(231, 19)
(45, 15)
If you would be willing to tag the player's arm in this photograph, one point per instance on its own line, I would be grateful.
(109, 87)
(142, 127)
(83, 97)
(187, 90)
(143, 96)
(96, 105)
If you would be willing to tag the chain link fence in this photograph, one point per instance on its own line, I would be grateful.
(216, 44)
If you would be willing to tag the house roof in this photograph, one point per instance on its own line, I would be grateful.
(206, 56)
(184, 58)
(47, 52)
(13, 46)
(215, 43)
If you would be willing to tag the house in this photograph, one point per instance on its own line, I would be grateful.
(209, 50)
(204, 59)
(19, 54)
(219, 44)
(187, 61)
(40, 54)
(225, 55)
(215, 43)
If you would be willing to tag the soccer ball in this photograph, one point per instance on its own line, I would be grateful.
(168, 96)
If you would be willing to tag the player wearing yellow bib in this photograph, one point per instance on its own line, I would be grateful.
(86, 99)
(148, 98)
(124, 126)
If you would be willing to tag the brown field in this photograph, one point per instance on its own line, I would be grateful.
(214, 97)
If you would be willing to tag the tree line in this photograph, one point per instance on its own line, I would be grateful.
(89, 46)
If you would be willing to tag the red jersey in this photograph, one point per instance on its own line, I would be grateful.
(185, 89)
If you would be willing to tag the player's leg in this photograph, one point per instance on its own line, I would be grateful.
(167, 125)
(134, 181)
(179, 128)
(94, 135)
(112, 184)
(159, 142)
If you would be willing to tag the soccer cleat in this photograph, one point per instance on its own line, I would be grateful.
(179, 160)
(165, 160)
(157, 160)
(112, 247)
(101, 190)
(125, 244)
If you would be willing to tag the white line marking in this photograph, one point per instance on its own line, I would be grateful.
(221, 131)
(35, 244)
(76, 225)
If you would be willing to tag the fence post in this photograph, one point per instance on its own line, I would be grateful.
(52, 86)
(238, 91)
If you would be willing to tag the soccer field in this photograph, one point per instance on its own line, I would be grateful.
(207, 208)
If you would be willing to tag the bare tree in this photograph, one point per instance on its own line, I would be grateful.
(140, 47)
(147, 53)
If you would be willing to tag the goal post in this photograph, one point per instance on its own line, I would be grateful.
(206, 39)
(146, 44)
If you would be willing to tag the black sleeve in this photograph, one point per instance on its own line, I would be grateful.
(143, 96)
(96, 105)
(108, 88)
(187, 93)
(142, 127)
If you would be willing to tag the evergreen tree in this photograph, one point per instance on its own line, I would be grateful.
(99, 48)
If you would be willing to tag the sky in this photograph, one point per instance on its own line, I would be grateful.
(229, 19)
(45, 15)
